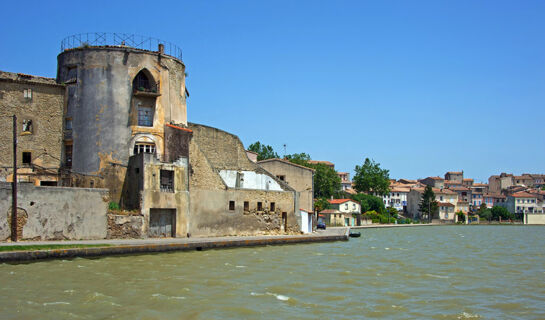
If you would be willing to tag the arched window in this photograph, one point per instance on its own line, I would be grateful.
(144, 82)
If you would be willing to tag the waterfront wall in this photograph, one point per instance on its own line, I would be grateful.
(55, 213)
(534, 218)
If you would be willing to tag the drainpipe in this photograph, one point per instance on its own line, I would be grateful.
(14, 184)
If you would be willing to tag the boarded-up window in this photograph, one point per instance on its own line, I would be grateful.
(231, 205)
(167, 180)
(246, 206)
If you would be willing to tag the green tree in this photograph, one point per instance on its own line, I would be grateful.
(370, 177)
(428, 206)
(485, 214)
(501, 212)
(299, 158)
(326, 181)
(263, 151)
(369, 203)
(321, 204)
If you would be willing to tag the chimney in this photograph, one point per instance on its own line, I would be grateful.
(161, 48)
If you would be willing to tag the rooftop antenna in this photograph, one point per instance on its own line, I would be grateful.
(285, 150)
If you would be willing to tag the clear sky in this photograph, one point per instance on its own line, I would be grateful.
(422, 87)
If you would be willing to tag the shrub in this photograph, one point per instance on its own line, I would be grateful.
(113, 206)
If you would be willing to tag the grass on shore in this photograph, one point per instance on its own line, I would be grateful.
(49, 247)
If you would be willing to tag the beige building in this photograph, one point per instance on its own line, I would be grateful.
(38, 104)
(454, 176)
(342, 212)
(296, 176)
(448, 199)
(434, 182)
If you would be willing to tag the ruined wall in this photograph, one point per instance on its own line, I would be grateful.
(55, 213)
(213, 150)
(210, 214)
(125, 226)
(102, 105)
(44, 139)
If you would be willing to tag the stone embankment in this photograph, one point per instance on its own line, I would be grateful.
(141, 246)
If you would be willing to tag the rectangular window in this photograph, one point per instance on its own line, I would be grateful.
(27, 94)
(246, 206)
(231, 205)
(283, 178)
(27, 157)
(273, 206)
(260, 206)
(145, 116)
(167, 180)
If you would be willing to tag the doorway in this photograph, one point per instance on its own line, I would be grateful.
(162, 223)
(284, 226)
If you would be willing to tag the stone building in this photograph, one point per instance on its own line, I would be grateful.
(116, 118)
(298, 177)
(37, 103)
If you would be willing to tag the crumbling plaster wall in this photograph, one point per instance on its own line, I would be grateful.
(55, 213)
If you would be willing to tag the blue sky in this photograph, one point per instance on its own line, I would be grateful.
(422, 87)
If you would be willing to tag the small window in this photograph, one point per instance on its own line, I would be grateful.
(144, 148)
(260, 206)
(27, 94)
(68, 155)
(246, 206)
(273, 206)
(145, 116)
(231, 205)
(92, 184)
(27, 157)
(68, 124)
(167, 180)
(27, 126)
(283, 178)
(137, 170)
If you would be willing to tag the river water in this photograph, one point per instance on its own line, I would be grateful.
(443, 272)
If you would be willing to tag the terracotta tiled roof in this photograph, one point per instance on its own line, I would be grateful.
(400, 189)
(522, 194)
(494, 195)
(445, 204)
(459, 188)
(468, 179)
(338, 201)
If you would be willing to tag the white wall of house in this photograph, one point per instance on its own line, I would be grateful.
(249, 180)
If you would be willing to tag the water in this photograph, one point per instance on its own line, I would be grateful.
(454, 272)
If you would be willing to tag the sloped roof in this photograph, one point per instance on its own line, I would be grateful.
(522, 194)
(286, 162)
(339, 201)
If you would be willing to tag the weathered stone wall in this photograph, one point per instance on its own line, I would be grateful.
(176, 142)
(210, 214)
(125, 226)
(222, 149)
(55, 213)
(202, 175)
(298, 177)
(44, 140)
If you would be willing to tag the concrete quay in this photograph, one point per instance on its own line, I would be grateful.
(142, 246)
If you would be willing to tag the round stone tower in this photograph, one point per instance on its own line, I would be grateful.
(120, 95)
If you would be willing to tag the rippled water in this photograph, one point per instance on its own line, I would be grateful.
(453, 272)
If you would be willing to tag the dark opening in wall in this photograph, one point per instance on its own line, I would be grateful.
(27, 126)
(260, 206)
(68, 155)
(231, 205)
(283, 178)
(167, 180)
(246, 206)
(27, 157)
(273, 206)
